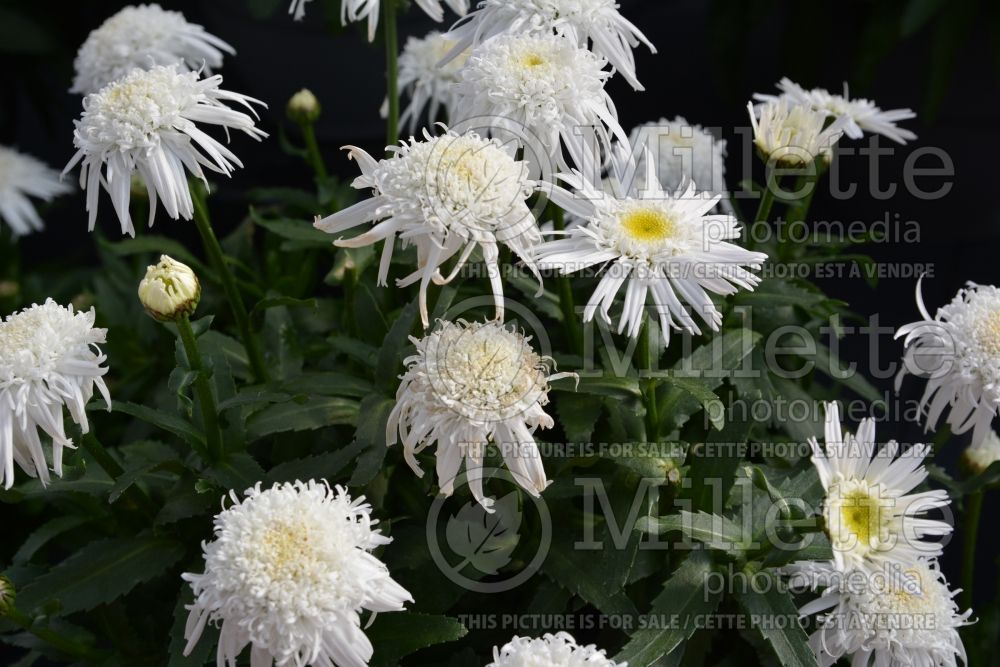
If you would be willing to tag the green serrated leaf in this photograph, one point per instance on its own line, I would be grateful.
(302, 415)
(371, 437)
(399, 634)
(773, 613)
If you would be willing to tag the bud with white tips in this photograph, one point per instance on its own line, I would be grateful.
(981, 455)
(7, 596)
(170, 291)
(303, 107)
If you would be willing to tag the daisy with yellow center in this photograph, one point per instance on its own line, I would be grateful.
(870, 512)
(957, 351)
(654, 244)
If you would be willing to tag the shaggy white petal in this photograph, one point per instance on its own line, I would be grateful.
(794, 134)
(368, 10)
(871, 512)
(861, 115)
(428, 84)
(446, 195)
(23, 176)
(558, 650)
(981, 455)
(593, 24)
(147, 122)
(289, 573)
(142, 37)
(49, 360)
(958, 353)
(470, 384)
(683, 152)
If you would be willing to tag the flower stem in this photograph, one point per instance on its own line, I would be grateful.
(218, 260)
(763, 213)
(312, 149)
(391, 71)
(973, 510)
(648, 384)
(202, 387)
(566, 303)
(133, 493)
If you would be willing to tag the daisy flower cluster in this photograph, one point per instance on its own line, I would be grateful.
(884, 600)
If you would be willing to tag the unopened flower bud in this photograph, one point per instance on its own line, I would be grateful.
(981, 455)
(7, 595)
(303, 107)
(170, 290)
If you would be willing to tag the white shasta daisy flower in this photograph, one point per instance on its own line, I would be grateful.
(469, 384)
(360, 10)
(545, 85)
(958, 352)
(427, 83)
(666, 247)
(981, 455)
(870, 511)
(447, 195)
(558, 650)
(147, 122)
(794, 134)
(23, 176)
(142, 37)
(49, 360)
(904, 616)
(862, 115)
(683, 152)
(594, 23)
(290, 572)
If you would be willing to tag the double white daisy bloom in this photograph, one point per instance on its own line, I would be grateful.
(23, 176)
(368, 10)
(290, 572)
(657, 245)
(594, 23)
(558, 650)
(447, 195)
(544, 90)
(871, 513)
(793, 134)
(906, 617)
(427, 83)
(683, 153)
(958, 352)
(860, 115)
(142, 37)
(469, 385)
(49, 360)
(148, 122)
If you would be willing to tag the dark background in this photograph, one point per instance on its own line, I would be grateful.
(940, 58)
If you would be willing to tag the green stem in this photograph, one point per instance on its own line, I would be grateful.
(973, 509)
(763, 213)
(566, 303)
(202, 387)
(218, 260)
(645, 363)
(312, 149)
(391, 71)
(55, 639)
(133, 493)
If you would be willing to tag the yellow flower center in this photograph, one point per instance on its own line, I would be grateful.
(648, 225)
(284, 548)
(859, 520)
(987, 333)
(532, 60)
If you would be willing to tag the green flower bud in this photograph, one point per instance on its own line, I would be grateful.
(170, 290)
(7, 595)
(303, 107)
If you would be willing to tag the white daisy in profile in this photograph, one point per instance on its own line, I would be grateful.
(144, 36)
(683, 153)
(446, 195)
(794, 134)
(368, 10)
(470, 384)
(666, 247)
(558, 650)
(49, 360)
(290, 572)
(594, 23)
(958, 353)
(870, 511)
(979, 456)
(427, 83)
(903, 616)
(147, 122)
(22, 177)
(545, 85)
(862, 115)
